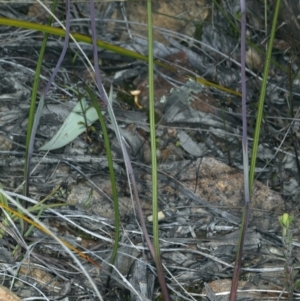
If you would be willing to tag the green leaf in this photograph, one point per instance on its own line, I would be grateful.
(75, 124)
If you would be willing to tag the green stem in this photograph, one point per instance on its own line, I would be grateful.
(262, 97)
(112, 179)
(34, 93)
(158, 262)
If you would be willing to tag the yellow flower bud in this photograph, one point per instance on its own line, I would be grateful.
(285, 220)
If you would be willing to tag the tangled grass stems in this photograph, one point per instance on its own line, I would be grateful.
(155, 237)
(65, 245)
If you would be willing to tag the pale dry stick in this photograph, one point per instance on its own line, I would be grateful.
(13, 269)
(128, 284)
(257, 270)
(14, 233)
(51, 160)
(249, 291)
(33, 71)
(11, 39)
(56, 238)
(123, 10)
(85, 231)
(285, 152)
(33, 170)
(104, 238)
(124, 281)
(178, 283)
(175, 127)
(216, 259)
(15, 229)
(280, 145)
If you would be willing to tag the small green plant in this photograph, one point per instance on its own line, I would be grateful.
(285, 221)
